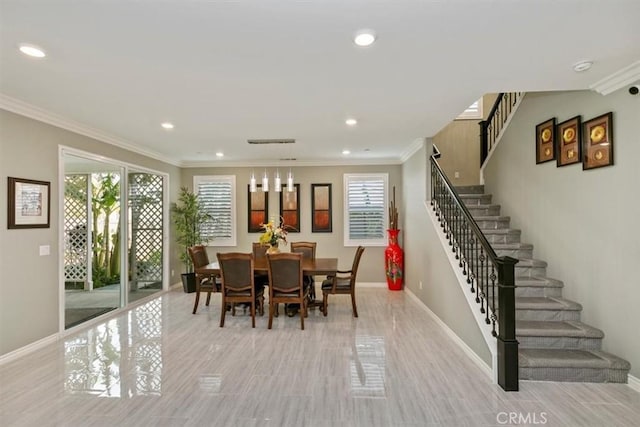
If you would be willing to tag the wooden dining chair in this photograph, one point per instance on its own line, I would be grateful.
(236, 271)
(204, 282)
(308, 251)
(260, 278)
(285, 283)
(344, 282)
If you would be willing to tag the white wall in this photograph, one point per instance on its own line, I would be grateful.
(426, 260)
(29, 288)
(583, 223)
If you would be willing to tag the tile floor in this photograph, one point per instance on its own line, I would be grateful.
(159, 365)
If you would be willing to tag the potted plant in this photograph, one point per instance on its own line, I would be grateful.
(189, 216)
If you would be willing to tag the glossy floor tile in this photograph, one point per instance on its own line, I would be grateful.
(159, 365)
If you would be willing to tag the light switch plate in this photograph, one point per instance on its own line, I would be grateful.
(45, 250)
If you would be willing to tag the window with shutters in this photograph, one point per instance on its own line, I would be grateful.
(365, 201)
(217, 194)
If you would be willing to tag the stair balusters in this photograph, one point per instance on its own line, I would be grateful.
(487, 274)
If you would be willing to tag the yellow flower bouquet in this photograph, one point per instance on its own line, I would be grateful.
(273, 235)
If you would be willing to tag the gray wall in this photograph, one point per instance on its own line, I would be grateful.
(459, 144)
(29, 288)
(426, 261)
(583, 223)
(371, 267)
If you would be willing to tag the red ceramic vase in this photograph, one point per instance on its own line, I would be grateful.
(394, 262)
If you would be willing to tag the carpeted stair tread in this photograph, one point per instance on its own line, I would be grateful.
(475, 199)
(506, 246)
(492, 218)
(570, 358)
(501, 230)
(484, 206)
(567, 328)
(470, 189)
(546, 303)
(531, 262)
(543, 282)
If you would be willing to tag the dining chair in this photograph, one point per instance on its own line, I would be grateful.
(259, 252)
(204, 282)
(285, 283)
(236, 271)
(344, 282)
(308, 251)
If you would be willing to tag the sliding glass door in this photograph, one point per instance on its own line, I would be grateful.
(92, 231)
(113, 231)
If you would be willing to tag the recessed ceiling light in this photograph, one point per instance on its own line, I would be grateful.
(345, 152)
(581, 66)
(167, 125)
(31, 50)
(351, 122)
(219, 154)
(364, 38)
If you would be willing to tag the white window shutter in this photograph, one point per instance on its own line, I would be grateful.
(217, 194)
(366, 204)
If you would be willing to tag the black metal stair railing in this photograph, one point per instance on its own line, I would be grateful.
(490, 277)
(491, 127)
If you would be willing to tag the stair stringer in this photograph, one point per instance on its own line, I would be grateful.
(470, 297)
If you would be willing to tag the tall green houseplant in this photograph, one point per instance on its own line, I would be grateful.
(189, 216)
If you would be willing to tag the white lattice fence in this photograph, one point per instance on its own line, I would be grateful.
(75, 227)
(145, 203)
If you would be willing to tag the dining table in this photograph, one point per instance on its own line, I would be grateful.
(310, 267)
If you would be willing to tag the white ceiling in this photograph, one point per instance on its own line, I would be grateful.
(227, 71)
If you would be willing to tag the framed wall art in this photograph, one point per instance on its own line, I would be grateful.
(597, 142)
(545, 141)
(29, 203)
(568, 148)
(258, 209)
(321, 215)
(290, 208)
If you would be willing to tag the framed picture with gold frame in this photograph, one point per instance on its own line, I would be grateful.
(568, 148)
(321, 215)
(546, 141)
(597, 142)
(258, 209)
(290, 208)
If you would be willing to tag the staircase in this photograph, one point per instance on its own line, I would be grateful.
(554, 344)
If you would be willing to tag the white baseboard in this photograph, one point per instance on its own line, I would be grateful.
(372, 285)
(633, 382)
(29, 348)
(465, 348)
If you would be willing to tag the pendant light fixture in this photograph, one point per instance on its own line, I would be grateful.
(265, 182)
(290, 181)
(277, 184)
(252, 183)
(277, 181)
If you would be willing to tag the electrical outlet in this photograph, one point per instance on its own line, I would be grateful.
(173, 273)
(456, 174)
(420, 285)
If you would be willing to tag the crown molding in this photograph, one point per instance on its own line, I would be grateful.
(618, 80)
(25, 109)
(286, 165)
(412, 149)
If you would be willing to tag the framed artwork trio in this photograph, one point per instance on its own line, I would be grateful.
(573, 141)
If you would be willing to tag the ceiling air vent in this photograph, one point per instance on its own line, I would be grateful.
(271, 141)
